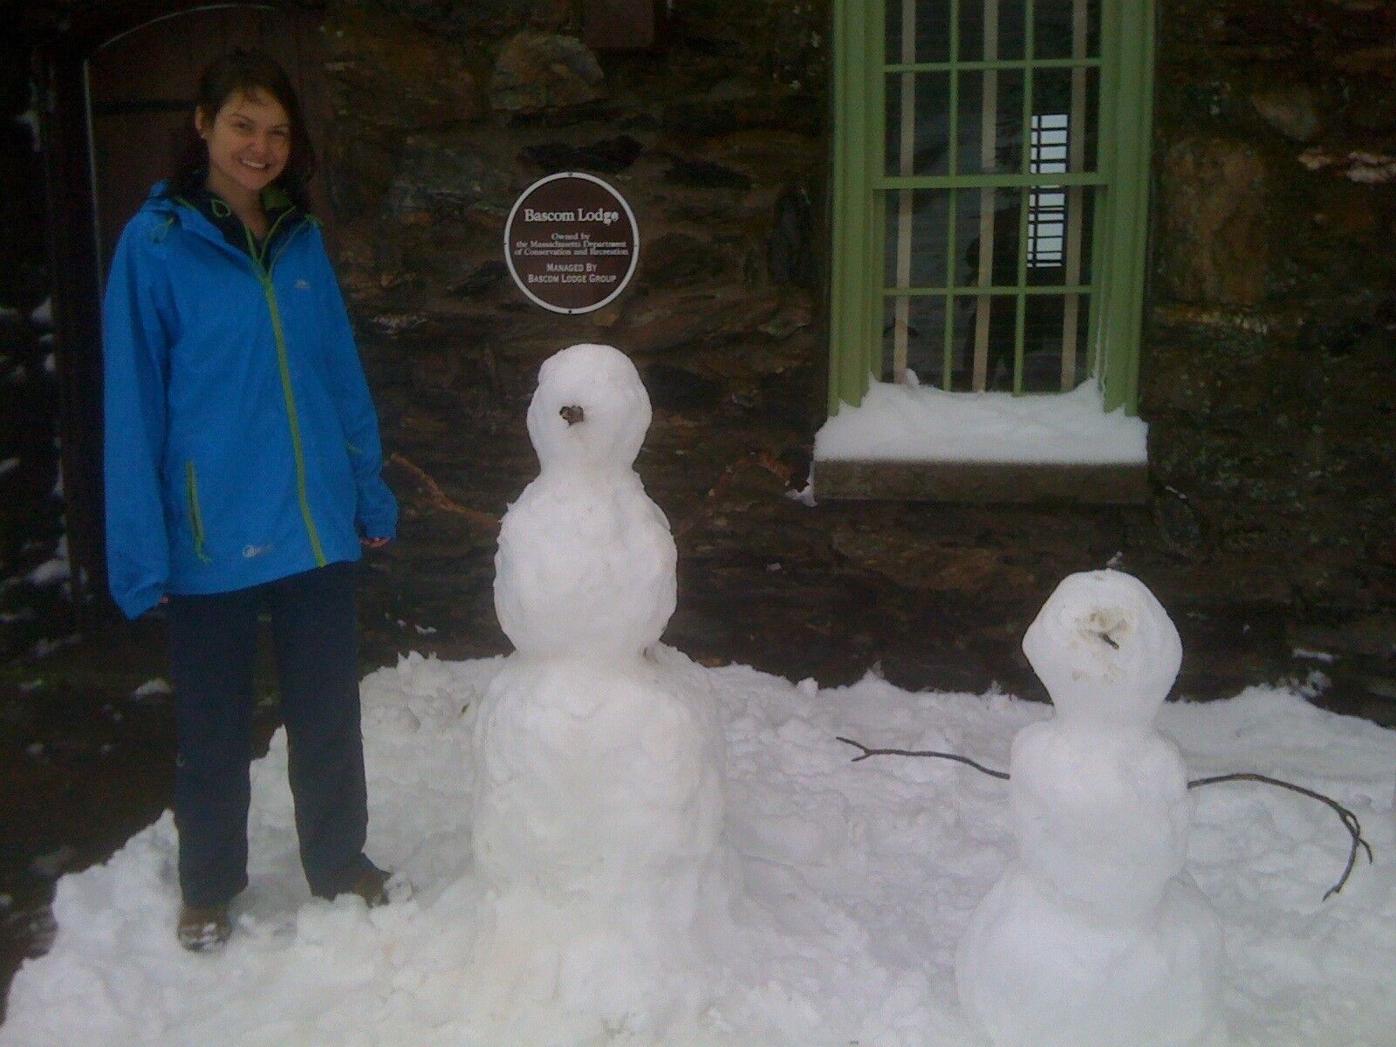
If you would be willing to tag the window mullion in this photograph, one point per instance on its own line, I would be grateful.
(1020, 302)
(984, 181)
(952, 218)
(1075, 196)
(972, 66)
(905, 161)
(975, 290)
(988, 140)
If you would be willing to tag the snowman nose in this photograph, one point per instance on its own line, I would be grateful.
(572, 413)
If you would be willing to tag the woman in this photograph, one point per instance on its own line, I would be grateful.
(243, 474)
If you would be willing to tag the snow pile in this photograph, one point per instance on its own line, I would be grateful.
(860, 879)
(612, 845)
(924, 424)
(598, 807)
(1101, 812)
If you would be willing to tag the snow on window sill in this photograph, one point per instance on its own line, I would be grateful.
(908, 423)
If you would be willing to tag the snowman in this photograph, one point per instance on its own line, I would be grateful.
(1093, 936)
(598, 802)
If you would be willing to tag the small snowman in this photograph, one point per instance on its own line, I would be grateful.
(1093, 936)
(598, 805)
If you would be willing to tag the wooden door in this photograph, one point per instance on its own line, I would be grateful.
(141, 87)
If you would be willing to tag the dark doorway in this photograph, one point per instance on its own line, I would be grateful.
(121, 83)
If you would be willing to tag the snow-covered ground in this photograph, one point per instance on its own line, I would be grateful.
(858, 879)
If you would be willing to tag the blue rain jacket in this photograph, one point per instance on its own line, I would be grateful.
(241, 442)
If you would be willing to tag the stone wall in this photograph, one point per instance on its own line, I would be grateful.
(1268, 361)
(1269, 376)
(444, 113)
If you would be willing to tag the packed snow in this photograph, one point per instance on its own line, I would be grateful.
(859, 880)
(598, 841)
(912, 422)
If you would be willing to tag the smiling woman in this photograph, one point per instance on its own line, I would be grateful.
(248, 135)
(242, 465)
(249, 142)
(119, 109)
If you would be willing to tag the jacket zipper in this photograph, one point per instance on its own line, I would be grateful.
(283, 364)
(196, 516)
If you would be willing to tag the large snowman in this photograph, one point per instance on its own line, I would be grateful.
(598, 805)
(1093, 937)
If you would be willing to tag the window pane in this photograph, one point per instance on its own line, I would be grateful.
(1054, 325)
(987, 226)
(985, 327)
(1066, 28)
(1065, 108)
(916, 239)
(917, 123)
(1059, 235)
(986, 235)
(990, 129)
(920, 324)
(991, 29)
(929, 41)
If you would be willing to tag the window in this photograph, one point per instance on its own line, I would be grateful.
(990, 191)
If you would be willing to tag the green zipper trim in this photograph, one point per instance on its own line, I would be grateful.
(283, 363)
(196, 517)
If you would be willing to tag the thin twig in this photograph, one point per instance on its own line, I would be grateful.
(921, 752)
(1349, 820)
(438, 498)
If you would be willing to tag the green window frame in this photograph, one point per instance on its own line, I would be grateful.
(878, 197)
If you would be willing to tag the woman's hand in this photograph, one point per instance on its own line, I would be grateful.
(374, 543)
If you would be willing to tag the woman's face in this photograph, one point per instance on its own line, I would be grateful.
(249, 142)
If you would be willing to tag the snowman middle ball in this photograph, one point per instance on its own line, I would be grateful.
(586, 562)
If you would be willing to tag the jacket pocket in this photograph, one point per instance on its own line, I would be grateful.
(196, 516)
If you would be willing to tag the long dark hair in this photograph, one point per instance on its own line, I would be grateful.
(242, 71)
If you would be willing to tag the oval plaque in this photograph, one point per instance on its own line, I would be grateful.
(571, 242)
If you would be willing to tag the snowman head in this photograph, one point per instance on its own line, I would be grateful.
(1105, 649)
(590, 410)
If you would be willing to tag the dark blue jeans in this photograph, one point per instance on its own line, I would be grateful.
(213, 648)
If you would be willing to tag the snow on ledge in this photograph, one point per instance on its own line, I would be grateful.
(911, 423)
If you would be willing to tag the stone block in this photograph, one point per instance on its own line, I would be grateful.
(541, 71)
(384, 70)
(1213, 239)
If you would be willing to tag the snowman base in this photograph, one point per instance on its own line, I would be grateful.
(553, 969)
(598, 825)
(1034, 971)
(597, 779)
